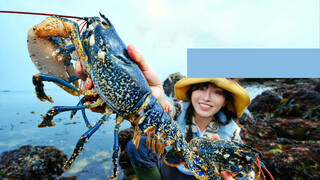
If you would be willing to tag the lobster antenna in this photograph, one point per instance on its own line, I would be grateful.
(42, 14)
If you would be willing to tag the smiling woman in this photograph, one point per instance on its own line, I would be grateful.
(207, 100)
(213, 101)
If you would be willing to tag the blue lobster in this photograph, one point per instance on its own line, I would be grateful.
(119, 83)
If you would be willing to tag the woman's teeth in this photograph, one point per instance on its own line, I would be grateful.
(204, 105)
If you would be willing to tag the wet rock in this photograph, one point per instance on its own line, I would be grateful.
(245, 121)
(298, 160)
(287, 133)
(303, 97)
(168, 84)
(298, 129)
(68, 178)
(267, 102)
(282, 149)
(276, 81)
(288, 146)
(32, 162)
(301, 101)
(317, 86)
(255, 81)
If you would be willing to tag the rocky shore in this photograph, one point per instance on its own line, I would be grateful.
(284, 126)
(32, 162)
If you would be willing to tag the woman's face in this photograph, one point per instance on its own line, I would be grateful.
(207, 100)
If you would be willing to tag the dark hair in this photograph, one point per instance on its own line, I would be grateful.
(190, 110)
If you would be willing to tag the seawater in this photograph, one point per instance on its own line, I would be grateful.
(20, 114)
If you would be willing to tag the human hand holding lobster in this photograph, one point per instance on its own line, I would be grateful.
(151, 76)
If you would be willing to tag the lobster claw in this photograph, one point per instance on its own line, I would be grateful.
(52, 56)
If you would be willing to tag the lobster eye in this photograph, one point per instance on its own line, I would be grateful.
(105, 25)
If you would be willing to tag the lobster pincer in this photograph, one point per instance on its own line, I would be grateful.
(52, 56)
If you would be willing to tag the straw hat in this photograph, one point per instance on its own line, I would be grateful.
(240, 96)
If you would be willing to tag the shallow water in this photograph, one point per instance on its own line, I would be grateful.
(20, 113)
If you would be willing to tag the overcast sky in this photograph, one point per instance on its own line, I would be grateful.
(162, 30)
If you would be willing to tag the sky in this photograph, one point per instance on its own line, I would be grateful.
(163, 30)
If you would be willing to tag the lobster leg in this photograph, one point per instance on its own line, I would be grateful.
(47, 118)
(81, 102)
(83, 139)
(261, 166)
(115, 154)
(37, 82)
(73, 78)
(63, 52)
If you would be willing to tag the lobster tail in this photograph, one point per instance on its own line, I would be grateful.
(153, 120)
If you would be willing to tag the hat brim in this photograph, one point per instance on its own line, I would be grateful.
(240, 96)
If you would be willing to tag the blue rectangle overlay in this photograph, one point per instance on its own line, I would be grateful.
(254, 63)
